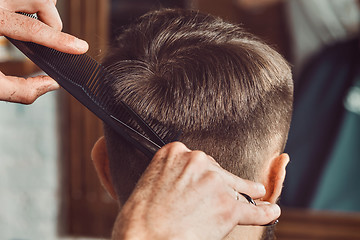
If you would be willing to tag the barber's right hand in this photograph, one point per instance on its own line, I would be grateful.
(185, 194)
(46, 32)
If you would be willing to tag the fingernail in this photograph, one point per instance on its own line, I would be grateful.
(81, 45)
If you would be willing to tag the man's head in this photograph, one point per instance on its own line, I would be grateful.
(228, 93)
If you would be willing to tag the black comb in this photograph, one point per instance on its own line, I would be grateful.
(88, 81)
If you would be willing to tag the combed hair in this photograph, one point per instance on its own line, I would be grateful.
(229, 93)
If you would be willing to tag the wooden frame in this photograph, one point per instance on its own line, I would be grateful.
(299, 224)
(86, 208)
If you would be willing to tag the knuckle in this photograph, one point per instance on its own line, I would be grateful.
(268, 213)
(199, 154)
(212, 177)
(63, 39)
(34, 90)
(26, 99)
(227, 216)
(172, 147)
(170, 150)
(175, 145)
(228, 212)
(30, 97)
(198, 158)
(35, 27)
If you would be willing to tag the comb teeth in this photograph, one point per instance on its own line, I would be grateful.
(88, 82)
(80, 70)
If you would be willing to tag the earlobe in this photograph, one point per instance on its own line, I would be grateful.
(275, 177)
(101, 162)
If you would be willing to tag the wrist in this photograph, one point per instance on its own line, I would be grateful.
(134, 223)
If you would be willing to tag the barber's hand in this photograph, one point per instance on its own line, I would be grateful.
(185, 194)
(46, 32)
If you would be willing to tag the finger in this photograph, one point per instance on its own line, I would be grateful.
(174, 157)
(249, 214)
(166, 163)
(167, 153)
(238, 196)
(27, 29)
(45, 9)
(196, 165)
(49, 14)
(176, 147)
(26, 91)
(259, 202)
(253, 189)
(201, 162)
(170, 153)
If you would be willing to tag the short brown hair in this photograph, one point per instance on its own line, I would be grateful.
(229, 93)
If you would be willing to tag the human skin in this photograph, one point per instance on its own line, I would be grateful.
(187, 178)
(185, 194)
(46, 32)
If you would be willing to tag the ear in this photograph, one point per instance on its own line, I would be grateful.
(274, 177)
(100, 159)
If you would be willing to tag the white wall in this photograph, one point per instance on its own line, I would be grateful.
(28, 169)
(315, 24)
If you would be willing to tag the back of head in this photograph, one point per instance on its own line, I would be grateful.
(228, 93)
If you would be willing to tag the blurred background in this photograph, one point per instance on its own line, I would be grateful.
(49, 189)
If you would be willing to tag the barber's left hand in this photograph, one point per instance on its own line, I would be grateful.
(46, 32)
